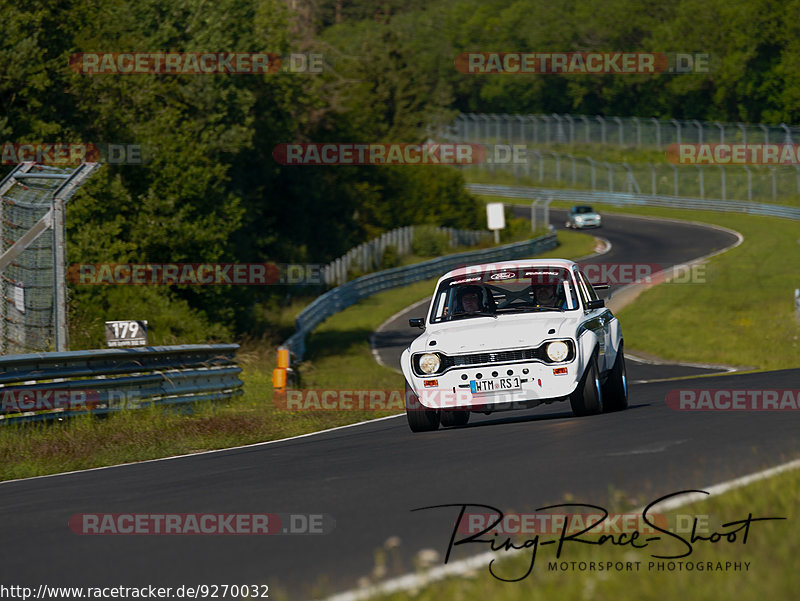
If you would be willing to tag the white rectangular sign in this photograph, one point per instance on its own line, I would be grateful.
(19, 298)
(495, 216)
(126, 333)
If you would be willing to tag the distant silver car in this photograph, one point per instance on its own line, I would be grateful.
(583, 216)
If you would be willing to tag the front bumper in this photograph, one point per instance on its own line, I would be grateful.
(451, 390)
(581, 225)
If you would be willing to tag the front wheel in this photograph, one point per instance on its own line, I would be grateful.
(615, 390)
(420, 418)
(587, 399)
(455, 418)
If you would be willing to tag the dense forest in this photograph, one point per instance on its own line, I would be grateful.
(211, 190)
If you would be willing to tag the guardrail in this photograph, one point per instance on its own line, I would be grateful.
(622, 198)
(347, 294)
(40, 386)
(369, 255)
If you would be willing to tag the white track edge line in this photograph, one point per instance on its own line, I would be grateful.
(244, 446)
(375, 354)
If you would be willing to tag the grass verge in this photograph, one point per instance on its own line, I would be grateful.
(339, 357)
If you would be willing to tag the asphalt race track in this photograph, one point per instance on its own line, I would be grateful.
(369, 477)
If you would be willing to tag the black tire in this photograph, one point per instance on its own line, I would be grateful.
(615, 390)
(587, 399)
(420, 419)
(454, 418)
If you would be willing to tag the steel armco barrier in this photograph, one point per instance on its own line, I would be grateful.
(622, 198)
(347, 294)
(53, 385)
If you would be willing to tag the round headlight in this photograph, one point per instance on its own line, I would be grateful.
(429, 363)
(557, 351)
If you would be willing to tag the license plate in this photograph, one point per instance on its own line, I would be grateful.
(496, 385)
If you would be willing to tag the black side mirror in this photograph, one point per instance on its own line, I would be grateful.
(596, 304)
(417, 322)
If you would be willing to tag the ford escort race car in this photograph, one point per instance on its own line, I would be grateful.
(513, 335)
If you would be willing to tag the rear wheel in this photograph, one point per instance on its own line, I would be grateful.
(455, 418)
(420, 418)
(587, 399)
(615, 390)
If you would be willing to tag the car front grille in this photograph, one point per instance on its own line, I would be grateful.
(498, 357)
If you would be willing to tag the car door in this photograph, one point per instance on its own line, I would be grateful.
(597, 320)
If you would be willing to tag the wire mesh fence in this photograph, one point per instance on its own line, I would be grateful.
(627, 132)
(31, 231)
(530, 134)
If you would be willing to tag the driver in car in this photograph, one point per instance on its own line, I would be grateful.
(471, 301)
(545, 296)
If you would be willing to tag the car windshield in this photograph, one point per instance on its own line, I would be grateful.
(582, 210)
(497, 292)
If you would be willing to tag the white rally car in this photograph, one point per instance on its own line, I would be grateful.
(513, 335)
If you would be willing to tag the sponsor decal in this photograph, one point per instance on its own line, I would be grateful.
(464, 281)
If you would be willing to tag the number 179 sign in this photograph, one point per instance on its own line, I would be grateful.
(126, 333)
